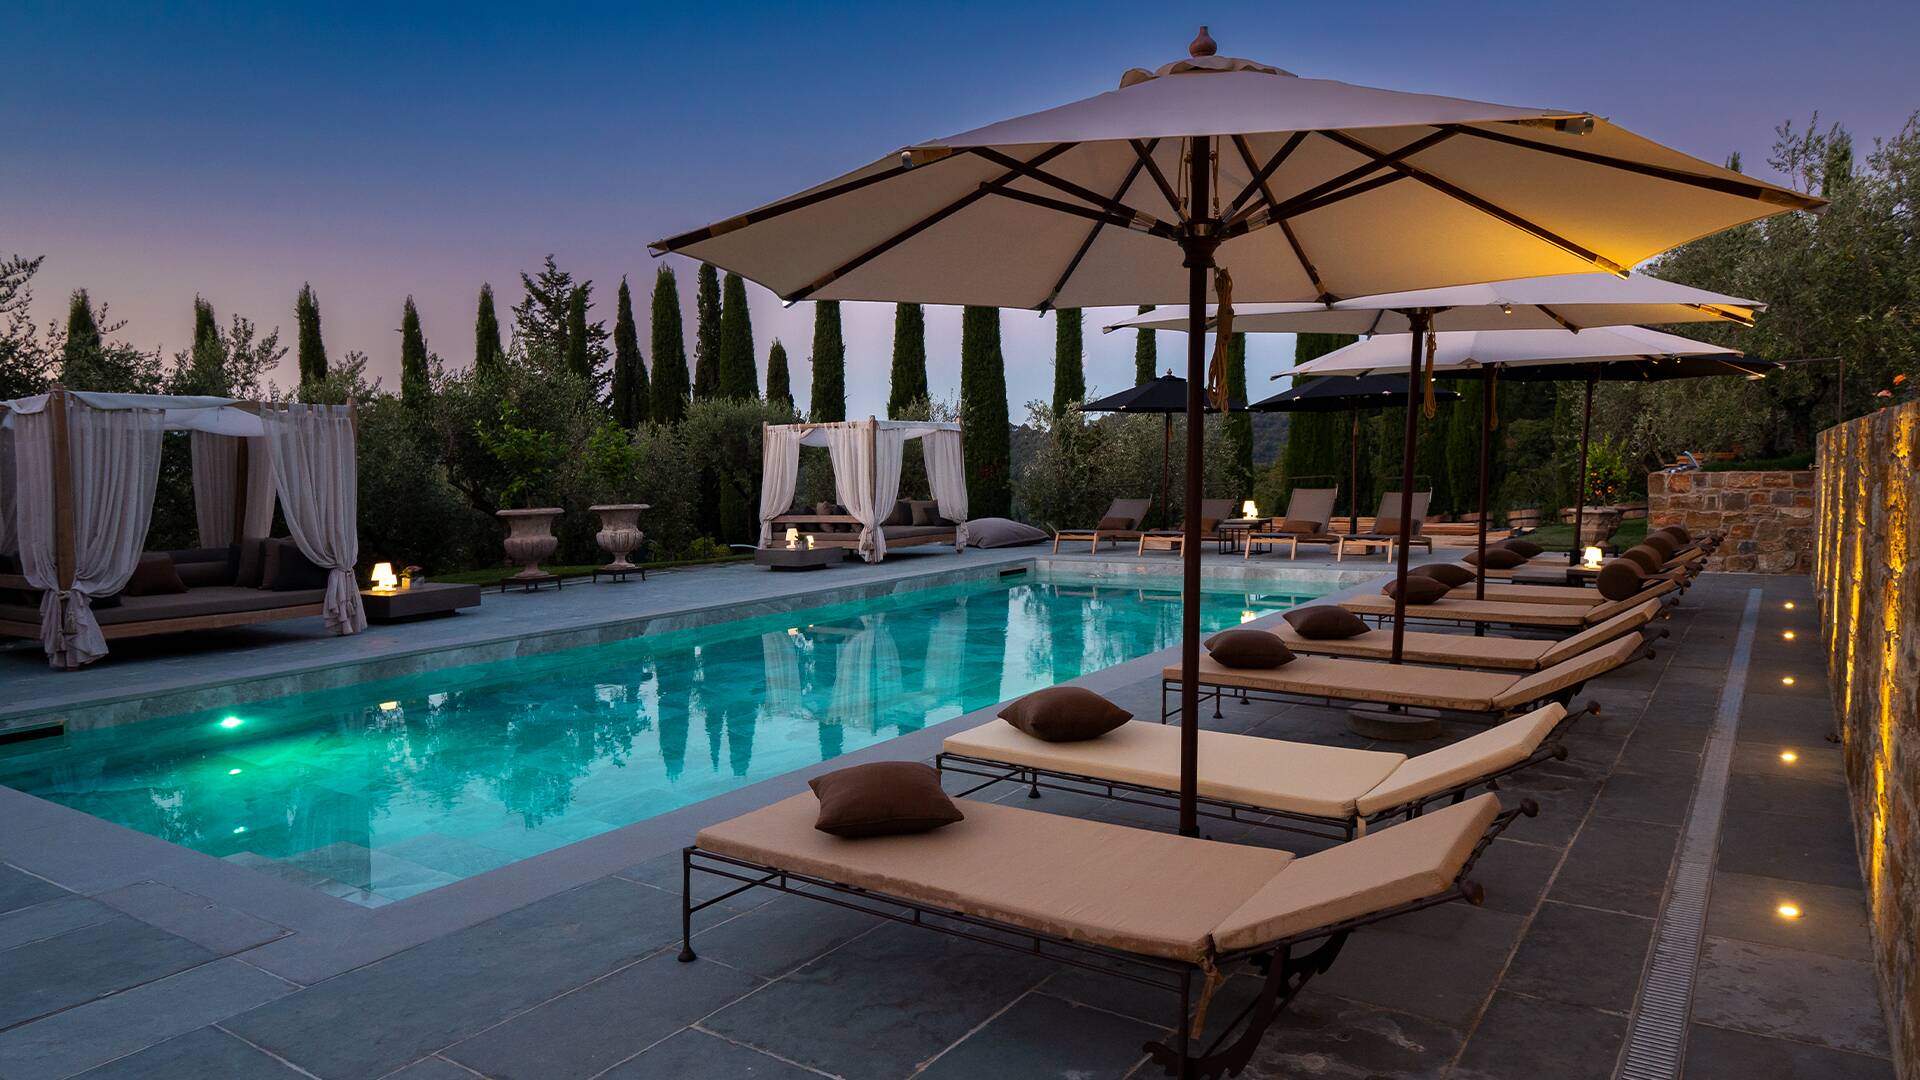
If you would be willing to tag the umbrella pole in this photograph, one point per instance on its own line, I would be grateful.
(1486, 451)
(1198, 243)
(1420, 321)
(1353, 474)
(1580, 481)
(1166, 477)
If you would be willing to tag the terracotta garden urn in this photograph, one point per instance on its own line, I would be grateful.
(529, 539)
(1596, 524)
(619, 533)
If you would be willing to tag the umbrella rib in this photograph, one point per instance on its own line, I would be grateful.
(1266, 193)
(1460, 194)
(1743, 188)
(1093, 232)
(1309, 199)
(1565, 324)
(1261, 174)
(918, 227)
(1144, 152)
(798, 202)
(1141, 223)
(1033, 172)
(1246, 225)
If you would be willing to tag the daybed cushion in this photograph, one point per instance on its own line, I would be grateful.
(882, 798)
(927, 512)
(287, 569)
(1302, 778)
(200, 575)
(997, 532)
(1324, 622)
(1524, 547)
(1450, 572)
(1091, 881)
(213, 600)
(910, 532)
(154, 575)
(1064, 714)
(901, 514)
(1248, 649)
(253, 561)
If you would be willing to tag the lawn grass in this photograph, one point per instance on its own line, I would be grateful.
(1560, 537)
(494, 575)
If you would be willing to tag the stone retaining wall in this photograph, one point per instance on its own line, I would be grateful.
(1768, 516)
(1868, 581)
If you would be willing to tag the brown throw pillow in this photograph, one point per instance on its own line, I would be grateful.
(200, 575)
(1498, 558)
(154, 576)
(1242, 648)
(288, 569)
(928, 513)
(1526, 548)
(901, 514)
(1065, 714)
(882, 798)
(253, 559)
(1678, 532)
(1662, 543)
(1645, 557)
(1450, 572)
(1114, 524)
(1420, 590)
(1325, 622)
(1618, 579)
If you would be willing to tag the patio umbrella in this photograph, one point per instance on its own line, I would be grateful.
(1306, 189)
(1348, 395)
(1165, 395)
(1625, 353)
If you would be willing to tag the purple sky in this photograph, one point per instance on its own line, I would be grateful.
(234, 152)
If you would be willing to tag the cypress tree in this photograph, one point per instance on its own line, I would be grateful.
(80, 353)
(416, 388)
(983, 413)
(829, 398)
(488, 355)
(1239, 425)
(706, 341)
(779, 383)
(579, 358)
(312, 353)
(1318, 444)
(669, 390)
(206, 371)
(1069, 363)
(739, 380)
(908, 383)
(629, 402)
(1146, 353)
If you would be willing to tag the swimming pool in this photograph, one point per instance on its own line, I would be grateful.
(377, 792)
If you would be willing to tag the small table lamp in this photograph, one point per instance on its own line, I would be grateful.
(384, 579)
(1591, 558)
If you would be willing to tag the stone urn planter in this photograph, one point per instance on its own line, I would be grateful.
(619, 533)
(529, 539)
(1596, 524)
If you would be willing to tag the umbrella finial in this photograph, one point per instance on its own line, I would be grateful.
(1203, 44)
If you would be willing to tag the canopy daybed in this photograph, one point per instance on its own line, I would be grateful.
(77, 477)
(866, 479)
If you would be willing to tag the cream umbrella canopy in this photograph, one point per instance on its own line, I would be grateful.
(1306, 189)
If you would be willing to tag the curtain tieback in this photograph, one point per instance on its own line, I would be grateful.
(69, 620)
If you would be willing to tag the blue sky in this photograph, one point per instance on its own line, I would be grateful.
(235, 151)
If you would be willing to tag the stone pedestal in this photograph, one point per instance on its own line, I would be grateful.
(530, 539)
(1597, 523)
(619, 534)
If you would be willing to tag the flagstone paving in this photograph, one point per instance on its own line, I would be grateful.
(1541, 980)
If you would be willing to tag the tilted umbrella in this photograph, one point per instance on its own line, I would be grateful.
(1306, 189)
(1623, 353)
(1348, 395)
(1165, 395)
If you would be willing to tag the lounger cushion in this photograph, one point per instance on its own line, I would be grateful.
(1325, 622)
(1065, 714)
(1364, 680)
(1299, 778)
(1002, 532)
(1647, 557)
(1476, 756)
(1450, 572)
(1524, 547)
(1114, 524)
(1498, 558)
(1420, 590)
(154, 575)
(1408, 862)
(1485, 611)
(1600, 633)
(1427, 647)
(882, 798)
(1091, 881)
(1248, 649)
(1618, 579)
(1568, 673)
(1300, 525)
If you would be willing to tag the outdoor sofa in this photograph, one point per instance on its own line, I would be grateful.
(836, 528)
(212, 598)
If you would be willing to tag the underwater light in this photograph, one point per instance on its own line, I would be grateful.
(231, 722)
(233, 772)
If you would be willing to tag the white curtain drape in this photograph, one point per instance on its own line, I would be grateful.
(312, 452)
(114, 456)
(779, 474)
(216, 475)
(262, 491)
(867, 483)
(947, 476)
(8, 503)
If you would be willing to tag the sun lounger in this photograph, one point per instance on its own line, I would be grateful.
(1331, 791)
(1212, 513)
(1483, 695)
(1506, 612)
(1388, 538)
(1131, 511)
(1472, 651)
(1651, 587)
(1114, 900)
(1308, 511)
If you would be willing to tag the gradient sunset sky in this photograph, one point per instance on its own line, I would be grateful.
(154, 152)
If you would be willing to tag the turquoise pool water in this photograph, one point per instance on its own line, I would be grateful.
(380, 791)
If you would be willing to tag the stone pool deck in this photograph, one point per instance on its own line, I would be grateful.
(126, 957)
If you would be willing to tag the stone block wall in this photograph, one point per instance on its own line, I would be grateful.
(1768, 516)
(1868, 580)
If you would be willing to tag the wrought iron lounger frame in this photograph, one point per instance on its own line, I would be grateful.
(1383, 620)
(1286, 972)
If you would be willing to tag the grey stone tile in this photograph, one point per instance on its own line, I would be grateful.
(412, 1004)
(1811, 761)
(697, 1055)
(1564, 803)
(89, 962)
(433, 1068)
(1832, 920)
(1718, 1054)
(663, 873)
(1328, 1037)
(1784, 795)
(1440, 964)
(197, 1055)
(1805, 996)
(1619, 865)
(81, 1038)
(1515, 874)
(199, 920)
(1818, 850)
(775, 938)
(1631, 796)
(20, 889)
(602, 1023)
(1522, 1038)
(880, 1005)
(49, 918)
(1042, 1035)
(1580, 956)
